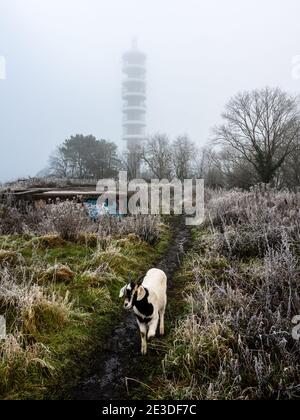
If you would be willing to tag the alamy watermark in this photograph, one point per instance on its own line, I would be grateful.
(155, 197)
(2, 68)
(2, 327)
(296, 329)
(296, 67)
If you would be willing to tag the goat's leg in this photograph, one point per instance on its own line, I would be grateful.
(162, 321)
(143, 333)
(152, 327)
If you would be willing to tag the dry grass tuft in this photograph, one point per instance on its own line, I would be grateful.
(19, 360)
(47, 241)
(58, 273)
(8, 257)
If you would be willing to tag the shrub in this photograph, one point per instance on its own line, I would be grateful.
(249, 223)
(11, 220)
(243, 241)
(68, 219)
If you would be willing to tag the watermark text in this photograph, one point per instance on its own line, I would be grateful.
(2, 328)
(296, 67)
(156, 197)
(2, 68)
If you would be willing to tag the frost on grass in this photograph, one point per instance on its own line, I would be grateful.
(31, 311)
(59, 270)
(32, 307)
(236, 341)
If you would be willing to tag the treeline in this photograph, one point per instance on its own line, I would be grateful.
(258, 142)
(85, 157)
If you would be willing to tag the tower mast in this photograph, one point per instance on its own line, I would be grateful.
(134, 106)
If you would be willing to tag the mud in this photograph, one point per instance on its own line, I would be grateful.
(120, 357)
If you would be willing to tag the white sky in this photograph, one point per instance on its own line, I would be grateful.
(63, 66)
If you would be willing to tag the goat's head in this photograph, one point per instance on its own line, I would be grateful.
(132, 292)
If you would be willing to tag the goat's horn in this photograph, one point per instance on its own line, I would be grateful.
(140, 280)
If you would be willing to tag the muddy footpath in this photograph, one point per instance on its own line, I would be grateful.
(120, 357)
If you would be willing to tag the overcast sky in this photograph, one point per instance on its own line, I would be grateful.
(63, 67)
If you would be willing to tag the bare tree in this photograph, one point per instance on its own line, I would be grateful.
(203, 161)
(290, 172)
(207, 166)
(157, 155)
(261, 128)
(183, 155)
(234, 170)
(59, 164)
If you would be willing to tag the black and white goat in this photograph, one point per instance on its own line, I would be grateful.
(148, 300)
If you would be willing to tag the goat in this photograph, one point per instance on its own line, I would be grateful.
(148, 299)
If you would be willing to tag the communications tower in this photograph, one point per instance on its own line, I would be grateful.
(134, 106)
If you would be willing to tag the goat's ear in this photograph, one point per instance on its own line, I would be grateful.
(122, 292)
(140, 293)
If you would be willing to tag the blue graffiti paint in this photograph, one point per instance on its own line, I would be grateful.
(94, 210)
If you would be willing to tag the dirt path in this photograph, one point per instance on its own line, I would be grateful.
(121, 356)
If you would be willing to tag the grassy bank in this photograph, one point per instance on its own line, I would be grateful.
(60, 299)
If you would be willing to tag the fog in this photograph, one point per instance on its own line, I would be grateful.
(63, 67)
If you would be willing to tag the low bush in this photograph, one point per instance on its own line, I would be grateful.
(68, 219)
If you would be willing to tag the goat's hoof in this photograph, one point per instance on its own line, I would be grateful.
(150, 337)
